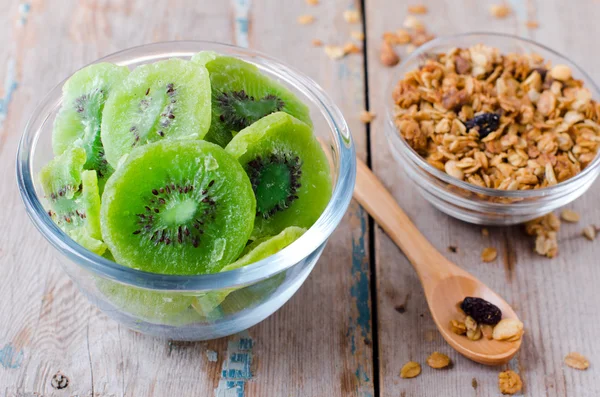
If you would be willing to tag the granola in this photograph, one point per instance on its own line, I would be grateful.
(509, 382)
(509, 122)
(545, 230)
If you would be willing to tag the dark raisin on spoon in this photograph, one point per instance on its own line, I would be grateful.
(487, 123)
(481, 310)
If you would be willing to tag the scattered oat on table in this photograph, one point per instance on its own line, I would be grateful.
(306, 19)
(357, 35)
(317, 43)
(417, 9)
(485, 232)
(334, 51)
(367, 116)
(532, 24)
(412, 22)
(577, 361)
(508, 329)
(438, 360)
(388, 56)
(500, 10)
(489, 254)
(410, 370)
(403, 36)
(545, 230)
(352, 16)
(509, 382)
(569, 216)
(312, 2)
(589, 232)
(351, 48)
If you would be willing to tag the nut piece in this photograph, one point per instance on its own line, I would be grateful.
(352, 16)
(306, 19)
(334, 51)
(388, 56)
(569, 216)
(357, 35)
(487, 331)
(577, 361)
(509, 382)
(366, 116)
(316, 43)
(508, 329)
(488, 254)
(410, 370)
(458, 327)
(438, 360)
(589, 232)
(499, 10)
(417, 9)
(473, 330)
(561, 72)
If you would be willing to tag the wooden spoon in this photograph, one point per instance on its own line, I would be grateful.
(445, 284)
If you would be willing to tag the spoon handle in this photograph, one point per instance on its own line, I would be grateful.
(379, 203)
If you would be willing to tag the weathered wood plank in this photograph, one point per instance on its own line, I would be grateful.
(318, 344)
(556, 314)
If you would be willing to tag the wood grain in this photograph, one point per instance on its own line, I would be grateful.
(318, 344)
(556, 314)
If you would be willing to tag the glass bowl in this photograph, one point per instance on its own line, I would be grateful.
(188, 307)
(466, 201)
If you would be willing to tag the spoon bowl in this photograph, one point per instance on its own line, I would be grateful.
(445, 284)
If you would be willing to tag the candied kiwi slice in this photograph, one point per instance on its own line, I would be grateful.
(79, 120)
(178, 207)
(254, 252)
(73, 199)
(288, 170)
(164, 100)
(241, 95)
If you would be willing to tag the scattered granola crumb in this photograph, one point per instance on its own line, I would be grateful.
(417, 9)
(500, 10)
(366, 116)
(438, 360)
(410, 48)
(412, 22)
(388, 56)
(589, 232)
(352, 16)
(402, 36)
(306, 19)
(509, 382)
(532, 24)
(391, 38)
(410, 370)
(355, 34)
(508, 329)
(485, 232)
(577, 361)
(489, 254)
(561, 72)
(569, 216)
(317, 43)
(545, 230)
(334, 51)
(351, 48)
(312, 2)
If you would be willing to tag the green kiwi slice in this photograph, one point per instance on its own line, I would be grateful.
(178, 207)
(242, 95)
(79, 119)
(165, 100)
(73, 199)
(288, 170)
(254, 252)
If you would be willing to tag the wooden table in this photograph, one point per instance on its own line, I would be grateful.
(361, 315)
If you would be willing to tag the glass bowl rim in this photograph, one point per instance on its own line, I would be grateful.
(308, 243)
(420, 161)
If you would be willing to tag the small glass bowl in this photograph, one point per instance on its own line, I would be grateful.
(461, 199)
(186, 307)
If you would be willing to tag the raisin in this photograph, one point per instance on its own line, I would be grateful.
(481, 310)
(487, 123)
